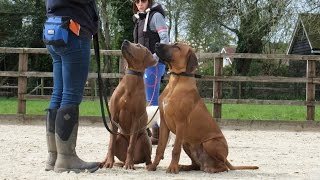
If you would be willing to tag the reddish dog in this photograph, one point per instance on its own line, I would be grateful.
(128, 111)
(183, 112)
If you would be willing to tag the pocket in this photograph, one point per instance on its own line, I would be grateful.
(56, 31)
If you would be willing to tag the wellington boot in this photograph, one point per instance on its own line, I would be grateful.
(67, 123)
(51, 142)
(155, 135)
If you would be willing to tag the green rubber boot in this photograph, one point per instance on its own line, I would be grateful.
(51, 141)
(67, 123)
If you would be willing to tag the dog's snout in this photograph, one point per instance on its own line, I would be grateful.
(125, 41)
(159, 45)
(125, 44)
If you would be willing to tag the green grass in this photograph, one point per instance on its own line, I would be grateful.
(264, 112)
(229, 111)
(37, 107)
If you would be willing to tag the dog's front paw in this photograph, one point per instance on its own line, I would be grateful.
(129, 165)
(173, 168)
(151, 167)
(108, 163)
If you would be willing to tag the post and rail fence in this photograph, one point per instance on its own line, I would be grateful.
(218, 78)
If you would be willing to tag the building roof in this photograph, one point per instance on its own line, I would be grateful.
(228, 50)
(310, 24)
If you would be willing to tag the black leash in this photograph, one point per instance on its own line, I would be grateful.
(186, 74)
(102, 96)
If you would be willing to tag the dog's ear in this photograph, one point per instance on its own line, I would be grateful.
(192, 63)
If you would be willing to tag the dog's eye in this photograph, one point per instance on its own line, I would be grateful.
(138, 45)
(175, 45)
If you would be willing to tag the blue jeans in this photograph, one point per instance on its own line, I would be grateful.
(152, 78)
(70, 71)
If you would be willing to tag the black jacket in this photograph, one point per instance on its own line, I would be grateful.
(149, 38)
(83, 12)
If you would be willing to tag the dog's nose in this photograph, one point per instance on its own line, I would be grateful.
(125, 41)
(157, 45)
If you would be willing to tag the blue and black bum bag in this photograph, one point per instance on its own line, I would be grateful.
(56, 31)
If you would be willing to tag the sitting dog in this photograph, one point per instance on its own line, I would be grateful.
(184, 113)
(128, 111)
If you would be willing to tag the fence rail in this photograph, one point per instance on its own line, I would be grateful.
(311, 80)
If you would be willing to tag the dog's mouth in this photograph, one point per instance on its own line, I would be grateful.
(162, 52)
(124, 49)
(124, 46)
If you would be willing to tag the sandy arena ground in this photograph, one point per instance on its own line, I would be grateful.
(279, 154)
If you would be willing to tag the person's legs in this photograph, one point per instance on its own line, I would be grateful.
(75, 57)
(152, 78)
(57, 78)
(75, 67)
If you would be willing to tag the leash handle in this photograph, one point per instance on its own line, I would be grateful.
(100, 85)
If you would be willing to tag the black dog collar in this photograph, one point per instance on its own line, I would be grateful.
(140, 74)
(186, 74)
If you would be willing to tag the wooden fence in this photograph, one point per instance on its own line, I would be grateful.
(218, 78)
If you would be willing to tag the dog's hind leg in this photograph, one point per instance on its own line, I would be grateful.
(142, 152)
(194, 165)
(121, 147)
(216, 151)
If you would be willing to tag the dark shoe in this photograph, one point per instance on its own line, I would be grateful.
(67, 123)
(155, 135)
(51, 142)
(154, 141)
(149, 132)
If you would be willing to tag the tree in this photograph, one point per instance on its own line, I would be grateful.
(115, 26)
(249, 20)
(174, 14)
(252, 22)
(202, 31)
(21, 26)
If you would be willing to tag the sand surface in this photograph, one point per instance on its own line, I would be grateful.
(279, 154)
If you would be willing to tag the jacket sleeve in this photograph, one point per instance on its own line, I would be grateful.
(158, 24)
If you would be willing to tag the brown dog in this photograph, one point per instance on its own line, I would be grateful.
(184, 113)
(128, 111)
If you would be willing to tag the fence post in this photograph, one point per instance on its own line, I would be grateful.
(310, 90)
(22, 83)
(217, 88)
(122, 65)
(42, 87)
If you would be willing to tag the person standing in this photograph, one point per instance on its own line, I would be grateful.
(150, 28)
(67, 34)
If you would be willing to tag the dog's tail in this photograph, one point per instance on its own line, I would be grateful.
(240, 167)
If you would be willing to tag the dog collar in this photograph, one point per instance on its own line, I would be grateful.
(186, 74)
(140, 74)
